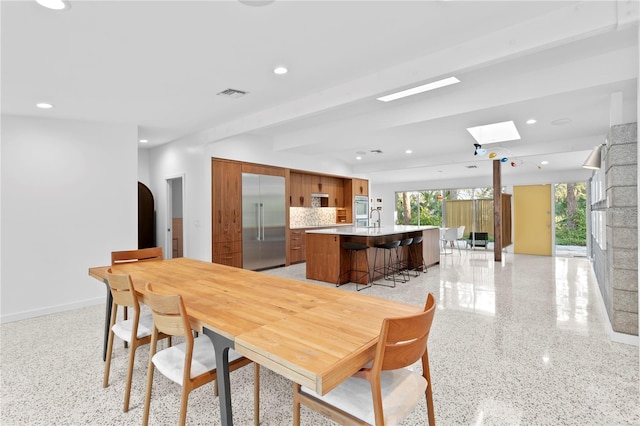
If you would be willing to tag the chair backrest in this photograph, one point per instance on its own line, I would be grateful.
(153, 253)
(169, 313)
(122, 290)
(460, 231)
(451, 234)
(403, 340)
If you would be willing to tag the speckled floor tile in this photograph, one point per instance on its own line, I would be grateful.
(519, 342)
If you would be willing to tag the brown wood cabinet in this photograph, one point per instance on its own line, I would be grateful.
(360, 186)
(297, 246)
(226, 212)
(300, 188)
(324, 249)
(335, 188)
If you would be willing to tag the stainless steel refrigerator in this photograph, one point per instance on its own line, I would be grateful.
(263, 221)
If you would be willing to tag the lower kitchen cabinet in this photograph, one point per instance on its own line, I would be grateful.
(297, 246)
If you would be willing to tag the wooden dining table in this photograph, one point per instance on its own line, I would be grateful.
(312, 334)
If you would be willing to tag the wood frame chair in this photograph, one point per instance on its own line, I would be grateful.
(139, 255)
(135, 331)
(391, 391)
(170, 317)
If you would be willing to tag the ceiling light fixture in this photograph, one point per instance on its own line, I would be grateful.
(408, 151)
(54, 4)
(144, 140)
(494, 133)
(280, 70)
(544, 163)
(532, 121)
(44, 105)
(424, 88)
(594, 159)
(358, 158)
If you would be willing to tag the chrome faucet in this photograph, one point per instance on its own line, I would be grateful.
(371, 216)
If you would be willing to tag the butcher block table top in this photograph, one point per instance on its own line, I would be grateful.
(314, 335)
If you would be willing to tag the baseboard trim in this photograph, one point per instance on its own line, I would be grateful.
(627, 339)
(19, 316)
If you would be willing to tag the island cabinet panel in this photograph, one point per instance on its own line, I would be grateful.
(323, 257)
(431, 246)
(297, 246)
(328, 261)
(226, 212)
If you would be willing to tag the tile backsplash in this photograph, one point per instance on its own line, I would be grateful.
(301, 217)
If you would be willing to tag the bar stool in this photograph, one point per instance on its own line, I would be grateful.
(353, 249)
(403, 261)
(389, 267)
(415, 256)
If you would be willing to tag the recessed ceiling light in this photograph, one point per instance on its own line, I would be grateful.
(358, 158)
(532, 121)
(425, 87)
(544, 162)
(54, 4)
(44, 105)
(408, 151)
(280, 70)
(144, 140)
(494, 133)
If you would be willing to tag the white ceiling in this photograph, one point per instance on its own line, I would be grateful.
(159, 65)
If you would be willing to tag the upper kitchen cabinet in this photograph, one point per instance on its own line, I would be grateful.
(226, 212)
(360, 186)
(300, 186)
(335, 188)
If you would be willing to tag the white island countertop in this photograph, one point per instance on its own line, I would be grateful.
(383, 230)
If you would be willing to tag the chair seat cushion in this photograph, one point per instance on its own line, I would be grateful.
(122, 329)
(401, 391)
(170, 361)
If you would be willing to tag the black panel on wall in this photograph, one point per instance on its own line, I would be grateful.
(146, 218)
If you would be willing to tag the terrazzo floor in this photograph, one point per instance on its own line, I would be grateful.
(519, 342)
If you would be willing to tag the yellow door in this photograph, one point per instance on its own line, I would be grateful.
(532, 219)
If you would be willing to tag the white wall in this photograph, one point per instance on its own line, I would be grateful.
(69, 197)
(143, 166)
(193, 160)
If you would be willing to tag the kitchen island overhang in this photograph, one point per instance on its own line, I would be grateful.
(327, 261)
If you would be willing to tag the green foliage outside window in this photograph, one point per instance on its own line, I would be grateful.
(571, 216)
(419, 208)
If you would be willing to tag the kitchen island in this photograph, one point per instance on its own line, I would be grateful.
(327, 260)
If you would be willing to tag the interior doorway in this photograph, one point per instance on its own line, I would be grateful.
(175, 242)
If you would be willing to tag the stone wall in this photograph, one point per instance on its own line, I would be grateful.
(617, 266)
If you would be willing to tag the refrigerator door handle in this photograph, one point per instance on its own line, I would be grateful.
(262, 220)
(258, 221)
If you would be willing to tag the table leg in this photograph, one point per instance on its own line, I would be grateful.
(107, 319)
(221, 347)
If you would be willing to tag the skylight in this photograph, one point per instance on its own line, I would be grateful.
(424, 88)
(494, 133)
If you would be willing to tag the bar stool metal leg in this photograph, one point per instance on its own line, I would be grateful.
(353, 249)
(416, 260)
(389, 267)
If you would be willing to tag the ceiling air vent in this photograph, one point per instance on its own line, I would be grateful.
(376, 151)
(232, 93)
(472, 167)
